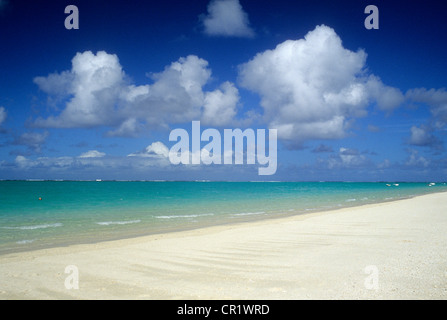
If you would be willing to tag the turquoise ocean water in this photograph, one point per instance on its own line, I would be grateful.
(71, 212)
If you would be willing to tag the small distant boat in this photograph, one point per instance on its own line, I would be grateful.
(431, 184)
(98, 180)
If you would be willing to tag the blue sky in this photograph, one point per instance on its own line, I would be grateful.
(99, 102)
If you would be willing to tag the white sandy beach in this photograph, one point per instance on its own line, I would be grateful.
(394, 250)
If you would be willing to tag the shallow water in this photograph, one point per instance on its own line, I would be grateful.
(72, 212)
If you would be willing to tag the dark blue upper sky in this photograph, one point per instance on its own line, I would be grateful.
(99, 102)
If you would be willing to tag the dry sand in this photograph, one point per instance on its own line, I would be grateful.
(394, 250)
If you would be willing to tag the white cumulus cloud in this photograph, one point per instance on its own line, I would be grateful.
(33, 140)
(227, 18)
(347, 158)
(419, 136)
(92, 154)
(415, 160)
(155, 149)
(312, 88)
(99, 94)
(220, 105)
(95, 82)
(436, 99)
(423, 137)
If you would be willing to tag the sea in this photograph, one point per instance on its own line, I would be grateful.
(43, 214)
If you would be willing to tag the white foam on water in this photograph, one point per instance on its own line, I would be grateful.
(39, 226)
(25, 241)
(184, 216)
(248, 213)
(108, 223)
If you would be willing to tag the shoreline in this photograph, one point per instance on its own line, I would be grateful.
(92, 240)
(318, 255)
